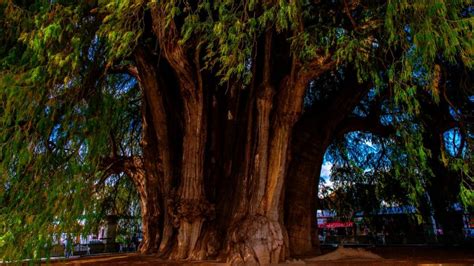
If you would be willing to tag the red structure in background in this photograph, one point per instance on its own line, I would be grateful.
(336, 225)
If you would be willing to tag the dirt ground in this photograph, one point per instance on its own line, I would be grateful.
(342, 256)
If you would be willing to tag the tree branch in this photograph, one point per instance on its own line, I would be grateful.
(130, 165)
(315, 68)
(124, 69)
(368, 124)
(121, 164)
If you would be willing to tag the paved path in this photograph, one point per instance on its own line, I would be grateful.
(389, 256)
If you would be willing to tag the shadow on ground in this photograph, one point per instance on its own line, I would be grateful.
(341, 256)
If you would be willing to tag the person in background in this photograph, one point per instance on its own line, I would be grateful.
(135, 241)
(67, 247)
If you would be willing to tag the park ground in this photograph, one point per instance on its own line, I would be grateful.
(369, 256)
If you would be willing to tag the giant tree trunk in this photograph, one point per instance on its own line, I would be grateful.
(150, 212)
(211, 178)
(256, 233)
(146, 177)
(312, 135)
(302, 192)
(156, 173)
(250, 156)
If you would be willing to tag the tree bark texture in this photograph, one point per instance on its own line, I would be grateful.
(216, 160)
(312, 135)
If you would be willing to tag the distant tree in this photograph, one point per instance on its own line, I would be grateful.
(201, 105)
(435, 181)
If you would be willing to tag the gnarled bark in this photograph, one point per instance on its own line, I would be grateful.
(190, 203)
(302, 187)
(313, 134)
(145, 175)
(158, 155)
(253, 149)
(254, 235)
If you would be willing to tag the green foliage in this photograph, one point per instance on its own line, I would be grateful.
(467, 196)
(57, 114)
(121, 27)
(61, 106)
(427, 31)
(432, 27)
(229, 30)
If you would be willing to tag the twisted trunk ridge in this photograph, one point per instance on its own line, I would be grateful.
(224, 172)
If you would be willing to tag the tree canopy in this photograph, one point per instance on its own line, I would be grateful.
(208, 103)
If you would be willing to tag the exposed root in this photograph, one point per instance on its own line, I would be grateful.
(187, 237)
(207, 246)
(189, 216)
(256, 239)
